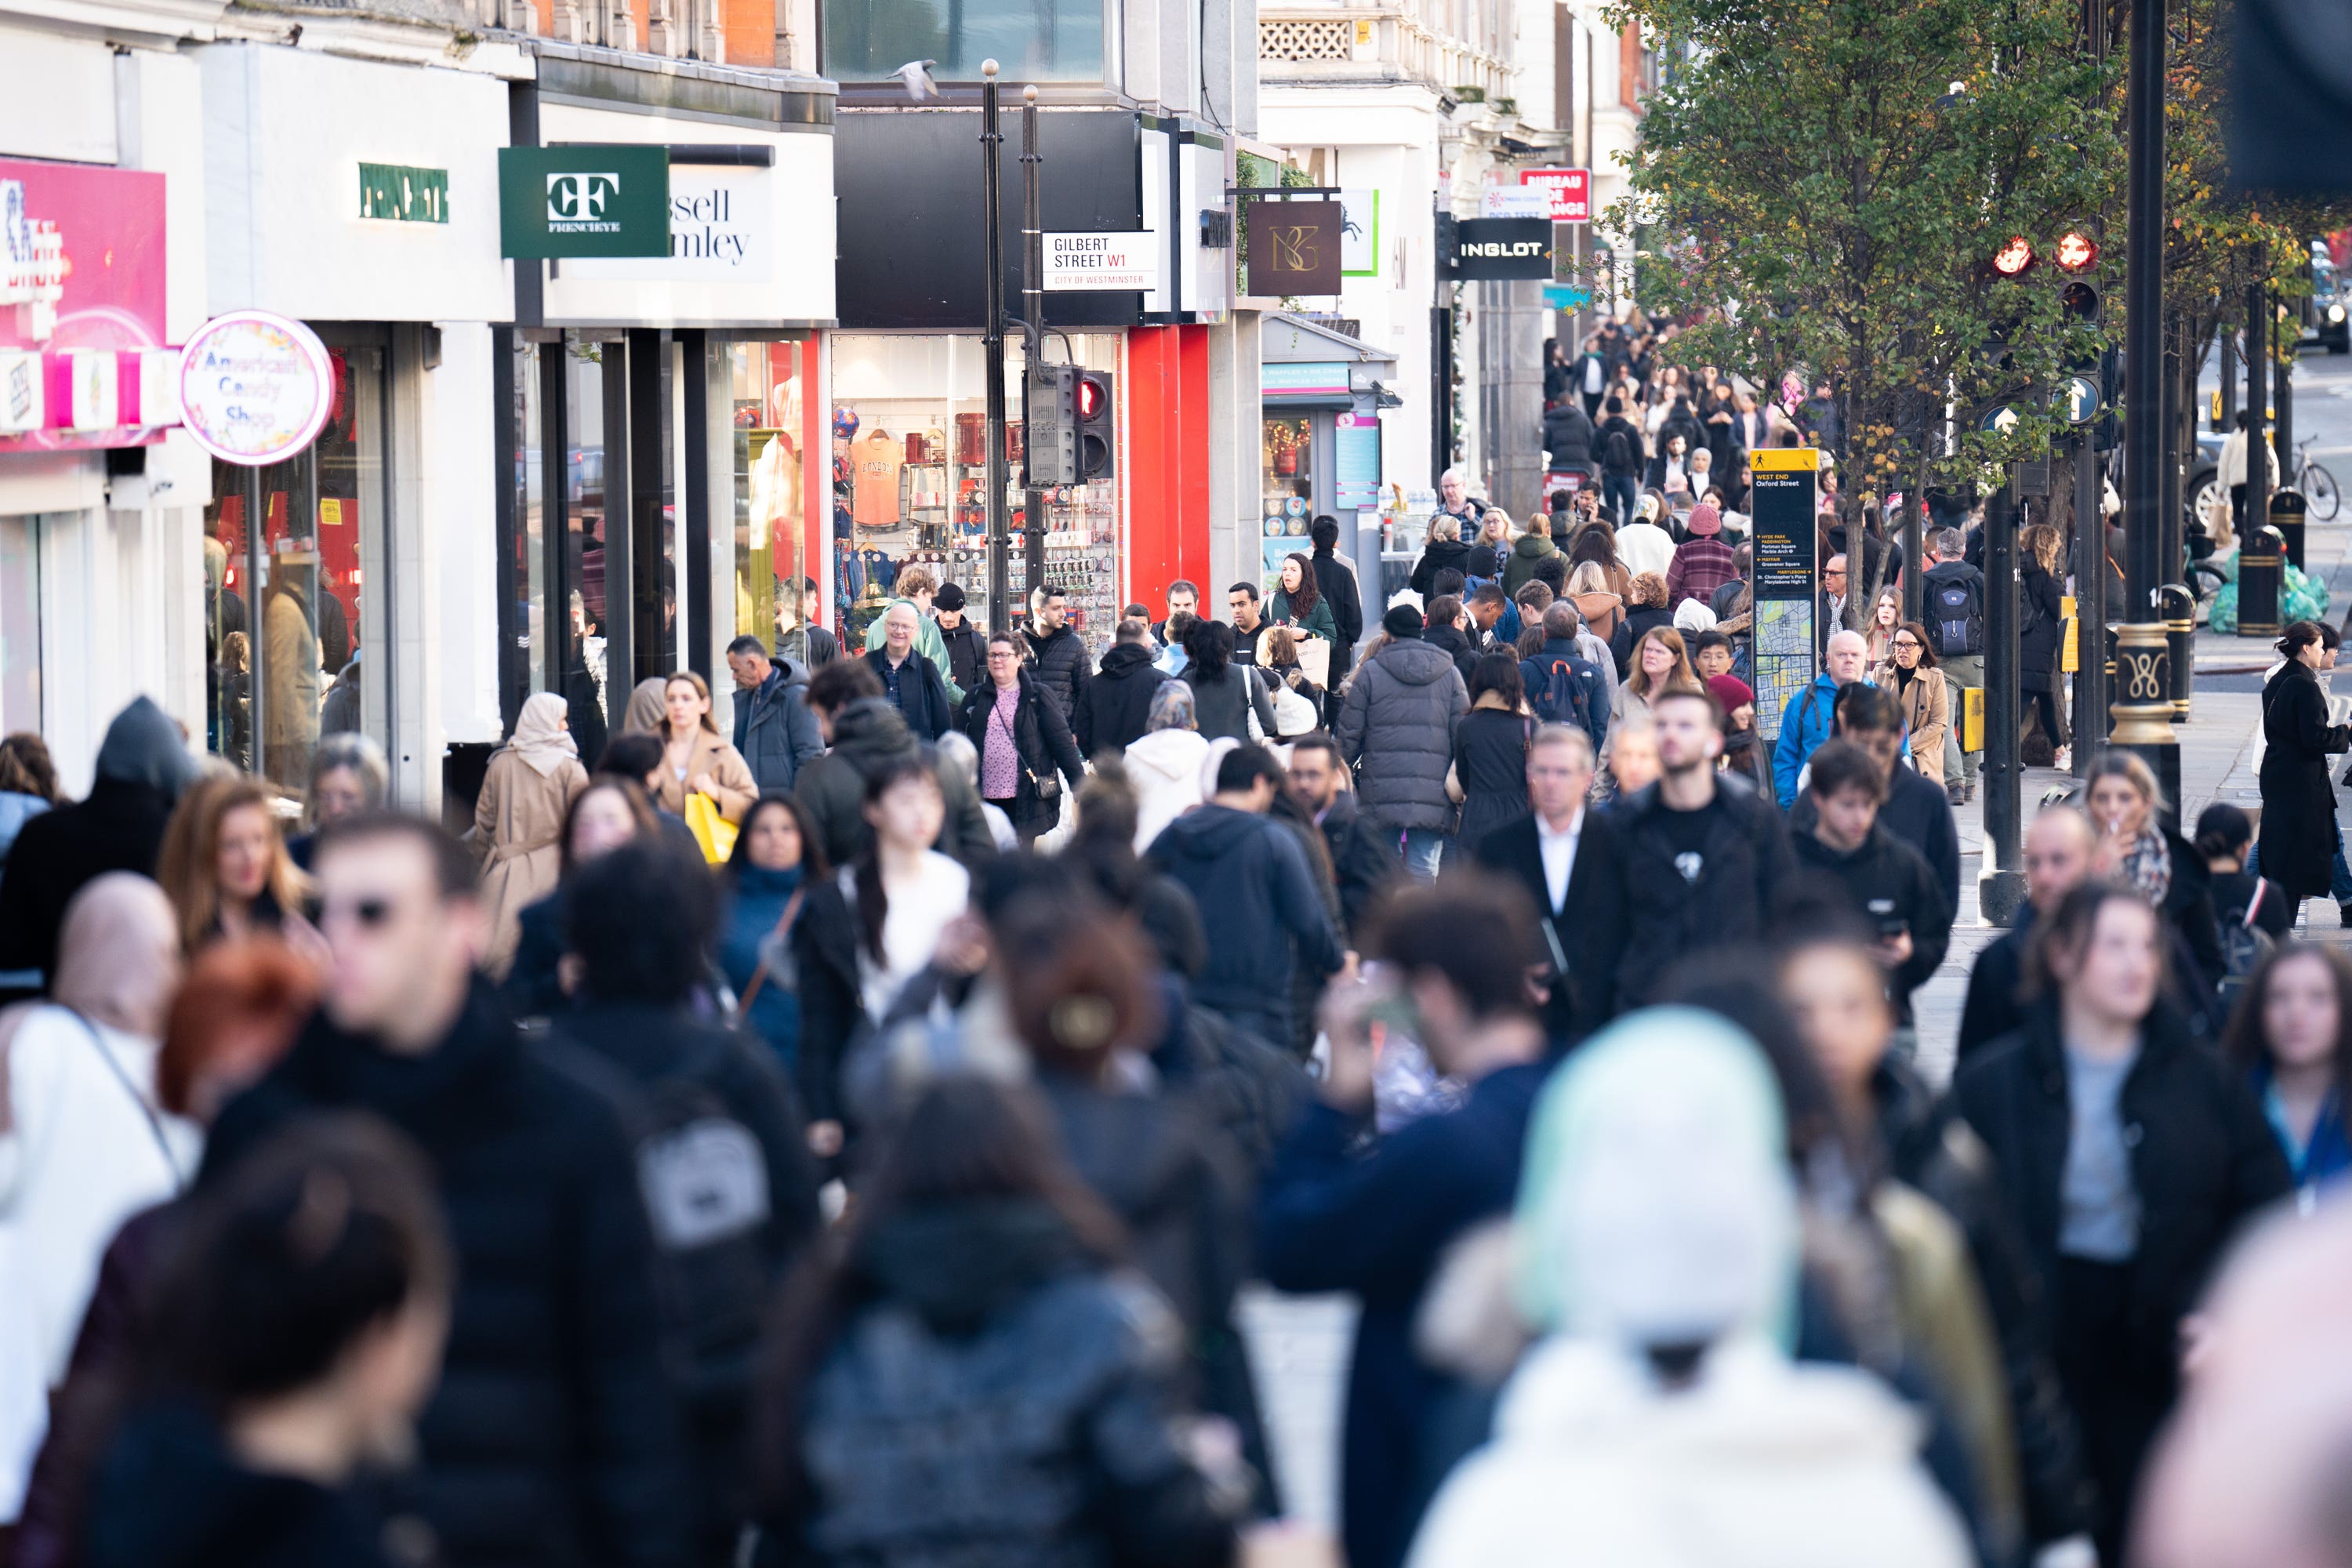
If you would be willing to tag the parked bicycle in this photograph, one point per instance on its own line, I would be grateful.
(2317, 485)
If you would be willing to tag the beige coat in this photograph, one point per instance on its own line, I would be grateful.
(1927, 716)
(735, 788)
(518, 830)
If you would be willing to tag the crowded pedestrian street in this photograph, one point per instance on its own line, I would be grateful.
(1506, 785)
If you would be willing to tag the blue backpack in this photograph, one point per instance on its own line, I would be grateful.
(1565, 695)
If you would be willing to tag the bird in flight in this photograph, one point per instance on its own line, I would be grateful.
(917, 74)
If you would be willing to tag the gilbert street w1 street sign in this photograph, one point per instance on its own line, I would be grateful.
(1123, 261)
(2076, 400)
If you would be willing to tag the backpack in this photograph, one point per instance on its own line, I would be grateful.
(1564, 698)
(2243, 945)
(1956, 618)
(704, 1179)
(1617, 453)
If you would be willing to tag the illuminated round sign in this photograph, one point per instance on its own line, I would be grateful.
(2011, 259)
(255, 387)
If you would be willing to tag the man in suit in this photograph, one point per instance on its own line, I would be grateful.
(1557, 852)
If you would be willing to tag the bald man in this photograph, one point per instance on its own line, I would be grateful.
(1811, 714)
(2059, 848)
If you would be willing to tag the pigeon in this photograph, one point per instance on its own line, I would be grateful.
(917, 74)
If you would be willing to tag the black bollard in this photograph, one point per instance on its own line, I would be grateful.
(2287, 508)
(2261, 583)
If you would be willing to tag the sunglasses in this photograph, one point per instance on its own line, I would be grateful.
(367, 913)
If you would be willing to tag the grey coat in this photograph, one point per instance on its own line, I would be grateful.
(1397, 729)
(774, 728)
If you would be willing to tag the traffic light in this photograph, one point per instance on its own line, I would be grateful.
(2076, 251)
(1097, 426)
(2014, 259)
(1051, 444)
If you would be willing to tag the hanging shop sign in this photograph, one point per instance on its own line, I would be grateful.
(255, 387)
(1496, 249)
(1783, 530)
(583, 200)
(1295, 248)
(1077, 261)
(1360, 233)
(1569, 193)
(81, 306)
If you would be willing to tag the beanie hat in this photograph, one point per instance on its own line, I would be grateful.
(1731, 691)
(1402, 621)
(948, 597)
(1705, 519)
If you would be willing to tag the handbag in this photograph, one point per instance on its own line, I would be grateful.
(1048, 788)
(710, 828)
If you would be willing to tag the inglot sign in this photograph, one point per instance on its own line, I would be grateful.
(1491, 248)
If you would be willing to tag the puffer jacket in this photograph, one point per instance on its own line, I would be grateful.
(1396, 729)
(1440, 555)
(1519, 568)
(1062, 665)
(867, 735)
(997, 1400)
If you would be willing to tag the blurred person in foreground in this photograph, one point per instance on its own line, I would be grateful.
(1886, 885)
(1373, 1216)
(83, 1144)
(297, 1331)
(556, 1308)
(968, 1373)
(2291, 1037)
(2128, 1156)
(226, 869)
(2059, 846)
(1660, 1423)
(728, 1187)
(609, 812)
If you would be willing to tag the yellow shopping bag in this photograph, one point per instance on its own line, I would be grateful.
(710, 829)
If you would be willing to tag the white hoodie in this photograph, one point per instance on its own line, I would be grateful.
(1165, 769)
(1759, 1464)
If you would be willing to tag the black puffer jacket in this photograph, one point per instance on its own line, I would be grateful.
(996, 1402)
(1397, 729)
(1439, 555)
(1117, 706)
(1040, 737)
(1567, 437)
(1062, 666)
(553, 1437)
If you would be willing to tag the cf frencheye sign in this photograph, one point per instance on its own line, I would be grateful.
(1502, 248)
(1128, 261)
(584, 200)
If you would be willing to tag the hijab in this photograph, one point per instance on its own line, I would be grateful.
(144, 746)
(648, 707)
(1171, 706)
(540, 738)
(119, 954)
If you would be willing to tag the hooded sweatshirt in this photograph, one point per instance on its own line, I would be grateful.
(1521, 569)
(1251, 871)
(1165, 769)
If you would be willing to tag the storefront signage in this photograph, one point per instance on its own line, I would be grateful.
(1129, 260)
(82, 299)
(1359, 236)
(395, 193)
(1782, 529)
(1514, 201)
(721, 229)
(1326, 379)
(255, 387)
(1295, 248)
(608, 200)
(1569, 192)
(1502, 248)
(1356, 461)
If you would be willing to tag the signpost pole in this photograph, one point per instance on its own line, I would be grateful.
(1033, 333)
(993, 347)
(2001, 887)
(1785, 577)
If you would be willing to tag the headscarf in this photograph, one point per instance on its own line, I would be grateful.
(144, 746)
(1171, 706)
(648, 707)
(1692, 617)
(540, 738)
(1657, 1206)
(119, 954)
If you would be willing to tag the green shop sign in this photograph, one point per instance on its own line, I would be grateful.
(398, 193)
(584, 200)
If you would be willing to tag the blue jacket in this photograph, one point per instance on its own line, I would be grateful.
(1332, 1216)
(1588, 696)
(1805, 723)
(774, 728)
(2327, 1157)
(760, 899)
(1249, 877)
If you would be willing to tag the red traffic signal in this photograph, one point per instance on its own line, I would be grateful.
(1091, 394)
(2015, 259)
(2076, 251)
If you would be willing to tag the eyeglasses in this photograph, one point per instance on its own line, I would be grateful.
(1833, 572)
(1907, 642)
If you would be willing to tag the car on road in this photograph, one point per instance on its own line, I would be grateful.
(2327, 320)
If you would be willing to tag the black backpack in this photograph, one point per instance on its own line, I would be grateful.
(1617, 453)
(1562, 698)
(1956, 617)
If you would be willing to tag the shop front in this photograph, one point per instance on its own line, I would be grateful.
(339, 587)
(1319, 448)
(664, 413)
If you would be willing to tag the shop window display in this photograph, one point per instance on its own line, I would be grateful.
(278, 677)
(909, 483)
(1286, 490)
(585, 507)
(20, 624)
(773, 584)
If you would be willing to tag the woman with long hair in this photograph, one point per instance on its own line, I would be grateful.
(1909, 671)
(2130, 1155)
(1489, 774)
(2136, 848)
(296, 1333)
(2291, 1037)
(2300, 838)
(606, 815)
(2042, 616)
(1596, 599)
(227, 870)
(971, 1323)
(527, 795)
(1299, 602)
(696, 759)
(1026, 751)
(1491, 551)
(777, 859)
(1885, 617)
(1659, 664)
(1224, 694)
